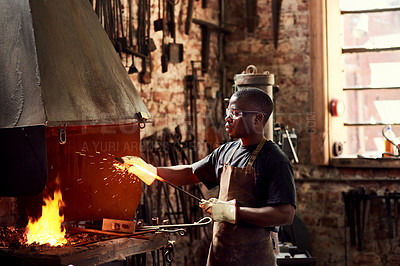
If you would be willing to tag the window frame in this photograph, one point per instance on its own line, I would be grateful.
(325, 51)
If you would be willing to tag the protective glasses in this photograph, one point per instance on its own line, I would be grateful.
(235, 113)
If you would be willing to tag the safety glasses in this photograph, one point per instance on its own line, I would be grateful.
(235, 113)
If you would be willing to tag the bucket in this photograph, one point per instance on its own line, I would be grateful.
(265, 82)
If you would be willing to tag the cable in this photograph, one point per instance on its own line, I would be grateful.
(398, 148)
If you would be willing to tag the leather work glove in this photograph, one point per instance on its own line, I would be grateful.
(220, 211)
(135, 165)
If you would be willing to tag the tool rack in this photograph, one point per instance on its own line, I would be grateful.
(357, 209)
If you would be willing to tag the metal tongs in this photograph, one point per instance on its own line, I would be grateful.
(176, 228)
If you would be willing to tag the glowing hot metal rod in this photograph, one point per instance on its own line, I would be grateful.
(146, 172)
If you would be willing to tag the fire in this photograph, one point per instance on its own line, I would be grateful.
(48, 228)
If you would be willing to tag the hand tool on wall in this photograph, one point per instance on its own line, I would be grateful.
(251, 15)
(358, 210)
(143, 45)
(206, 29)
(174, 50)
(167, 136)
(346, 221)
(276, 16)
(189, 17)
(348, 198)
(132, 68)
(159, 23)
(164, 57)
(389, 213)
(178, 143)
(192, 86)
(170, 17)
(396, 216)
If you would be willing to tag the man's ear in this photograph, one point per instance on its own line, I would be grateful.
(259, 118)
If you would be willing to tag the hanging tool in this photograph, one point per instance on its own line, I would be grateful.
(174, 50)
(159, 23)
(164, 57)
(188, 23)
(206, 29)
(144, 75)
(192, 86)
(132, 68)
(396, 216)
(276, 15)
(148, 177)
(251, 15)
(389, 213)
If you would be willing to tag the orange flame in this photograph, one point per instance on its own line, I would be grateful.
(48, 228)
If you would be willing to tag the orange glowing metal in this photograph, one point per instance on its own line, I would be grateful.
(47, 230)
(144, 174)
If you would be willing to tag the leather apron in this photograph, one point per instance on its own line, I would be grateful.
(242, 243)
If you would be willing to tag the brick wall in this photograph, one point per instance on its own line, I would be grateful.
(319, 189)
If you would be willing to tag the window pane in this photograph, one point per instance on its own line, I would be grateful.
(364, 70)
(367, 141)
(371, 30)
(350, 5)
(372, 106)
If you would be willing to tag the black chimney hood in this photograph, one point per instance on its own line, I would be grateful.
(58, 68)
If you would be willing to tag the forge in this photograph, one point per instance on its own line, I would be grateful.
(67, 109)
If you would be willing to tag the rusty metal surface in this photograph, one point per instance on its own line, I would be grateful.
(58, 65)
(82, 77)
(91, 186)
(20, 95)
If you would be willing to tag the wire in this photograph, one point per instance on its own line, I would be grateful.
(390, 141)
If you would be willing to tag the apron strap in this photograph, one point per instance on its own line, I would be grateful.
(230, 156)
(254, 154)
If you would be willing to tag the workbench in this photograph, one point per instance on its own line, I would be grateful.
(92, 254)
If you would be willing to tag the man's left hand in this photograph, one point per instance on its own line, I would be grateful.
(220, 211)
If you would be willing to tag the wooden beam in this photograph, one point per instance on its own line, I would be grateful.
(319, 149)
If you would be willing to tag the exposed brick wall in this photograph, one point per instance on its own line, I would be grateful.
(319, 189)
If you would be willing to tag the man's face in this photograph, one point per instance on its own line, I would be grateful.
(242, 126)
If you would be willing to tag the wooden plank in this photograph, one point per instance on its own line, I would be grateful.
(319, 104)
(337, 131)
(366, 162)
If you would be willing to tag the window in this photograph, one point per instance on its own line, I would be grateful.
(355, 46)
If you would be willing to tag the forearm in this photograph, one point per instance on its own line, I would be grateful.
(267, 216)
(178, 175)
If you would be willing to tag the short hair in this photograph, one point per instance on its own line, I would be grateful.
(257, 99)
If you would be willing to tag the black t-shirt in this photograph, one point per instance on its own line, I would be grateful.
(273, 171)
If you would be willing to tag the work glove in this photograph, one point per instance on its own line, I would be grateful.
(219, 210)
(135, 165)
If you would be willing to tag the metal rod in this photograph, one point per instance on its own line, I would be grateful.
(291, 146)
(182, 190)
(120, 160)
